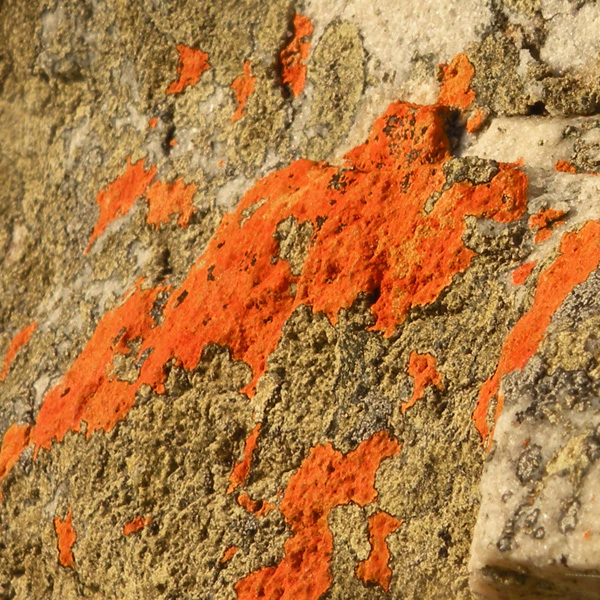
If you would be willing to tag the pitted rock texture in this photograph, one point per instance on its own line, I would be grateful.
(278, 283)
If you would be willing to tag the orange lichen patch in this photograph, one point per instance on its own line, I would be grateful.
(326, 479)
(136, 524)
(153, 122)
(86, 392)
(259, 508)
(16, 438)
(66, 538)
(543, 222)
(242, 468)
(372, 235)
(565, 166)
(228, 554)
(579, 256)
(172, 142)
(192, 63)
(243, 86)
(476, 121)
(375, 568)
(239, 295)
(117, 198)
(587, 535)
(294, 55)
(455, 80)
(520, 274)
(421, 367)
(166, 199)
(15, 345)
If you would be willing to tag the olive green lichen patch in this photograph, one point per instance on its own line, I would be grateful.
(586, 145)
(337, 71)
(496, 83)
(573, 94)
(294, 239)
(349, 527)
(526, 7)
(473, 169)
(170, 460)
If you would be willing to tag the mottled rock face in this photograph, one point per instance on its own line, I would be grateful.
(299, 300)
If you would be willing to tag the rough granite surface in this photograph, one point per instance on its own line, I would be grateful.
(299, 299)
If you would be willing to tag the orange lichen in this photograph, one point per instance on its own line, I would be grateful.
(86, 392)
(243, 86)
(166, 199)
(294, 55)
(422, 368)
(228, 554)
(259, 508)
(455, 80)
(375, 569)
(118, 197)
(153, 122)
(587, 535)
(16, 438)
(15, 345)
(326, 479)
(579, 256)
(136, 524)
(242, 468)
(565, 166)
(543, 222)
(66, 538)
(372, 235)
(192, 63)
(476, 121)
(520, 274)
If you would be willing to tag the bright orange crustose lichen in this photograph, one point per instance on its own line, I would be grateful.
(16, 438)
(293, 56)
(166, 199)
(579, 256)
(243, 86)
(520, 274)
(259, 508)
(66, 538)
(153, 122)
(242, 468)
(375, 569)
(86, 393)
(136, 524)
(455, 81)
(476, 122)
(192, 63)
(372, 235)
(326, 479)
(564, 166)
(15, 345)
(118, 197)
(228, 554)
(422, 368)
(543, 222)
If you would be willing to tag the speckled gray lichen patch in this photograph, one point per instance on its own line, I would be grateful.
(553, 416)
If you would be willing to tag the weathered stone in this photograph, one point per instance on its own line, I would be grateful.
(279, 281)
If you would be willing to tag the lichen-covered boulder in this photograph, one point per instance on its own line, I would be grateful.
(298, 300)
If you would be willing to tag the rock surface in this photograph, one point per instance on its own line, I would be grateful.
(299, 299)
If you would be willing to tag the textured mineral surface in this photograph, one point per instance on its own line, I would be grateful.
(299, 299)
